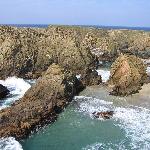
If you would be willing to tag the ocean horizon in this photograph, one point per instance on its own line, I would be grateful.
(95, 26)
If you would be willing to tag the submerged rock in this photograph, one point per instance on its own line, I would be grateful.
(104, 115)
(40, 104)
(128, 74)
(3, 91)
(90, 77)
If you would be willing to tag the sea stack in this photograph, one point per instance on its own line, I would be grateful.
(128, 74)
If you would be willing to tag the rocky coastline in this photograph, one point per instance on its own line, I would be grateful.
(54, 56)
(27, 52)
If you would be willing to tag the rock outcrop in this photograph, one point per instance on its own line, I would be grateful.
(90, 77)
(27, 52)
(40, 104)
(128, 74)
(104, 115)
(3, 91)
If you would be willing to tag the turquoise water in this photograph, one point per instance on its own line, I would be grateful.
(76, 129)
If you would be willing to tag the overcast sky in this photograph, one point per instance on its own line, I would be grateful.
(79, 12)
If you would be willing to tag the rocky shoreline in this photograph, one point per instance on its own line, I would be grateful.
(41, 104)
(27, 52)
(54, 56)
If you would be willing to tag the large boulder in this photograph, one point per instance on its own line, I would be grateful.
(128, 74)
(40, 104)
(90, 77)
(3, 91)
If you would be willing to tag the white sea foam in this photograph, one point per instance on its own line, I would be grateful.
(103, 146)
(88, 105)
(95, 146)
(104, 74)
(135, 121)
(148, 69)
(10, 144)
(17, 88)
(78, 76)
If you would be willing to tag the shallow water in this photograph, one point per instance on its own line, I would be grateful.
(76, 128)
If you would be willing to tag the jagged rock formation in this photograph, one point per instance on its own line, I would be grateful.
(90, 77)
(40, 104)
(128, 74)
(27, 52)
(3, 91)
(113, 42)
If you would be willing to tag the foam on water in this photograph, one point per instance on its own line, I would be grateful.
(94, 146)
(88, 105)
(104, 74)
(134, 121)
(148, 69)
(17, 88)
(103, 146)
(10, 144)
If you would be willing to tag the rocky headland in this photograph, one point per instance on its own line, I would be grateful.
(41, 103)
(27, 52)
(54, 56)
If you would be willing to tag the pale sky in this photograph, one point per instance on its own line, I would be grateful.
(76, 12)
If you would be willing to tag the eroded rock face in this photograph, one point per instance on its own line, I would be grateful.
(40, 104)
(90, 77)
(27, 52)
(128, 74)
(3, 91)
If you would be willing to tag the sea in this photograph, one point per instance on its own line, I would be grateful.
(94, 26)
(77, 129)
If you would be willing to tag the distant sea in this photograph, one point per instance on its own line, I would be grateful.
(95, 26)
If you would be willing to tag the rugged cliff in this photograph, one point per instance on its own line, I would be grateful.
(27, 52)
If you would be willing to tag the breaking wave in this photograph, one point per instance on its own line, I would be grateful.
(17, 88)
(135, 121)
(10, 144)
